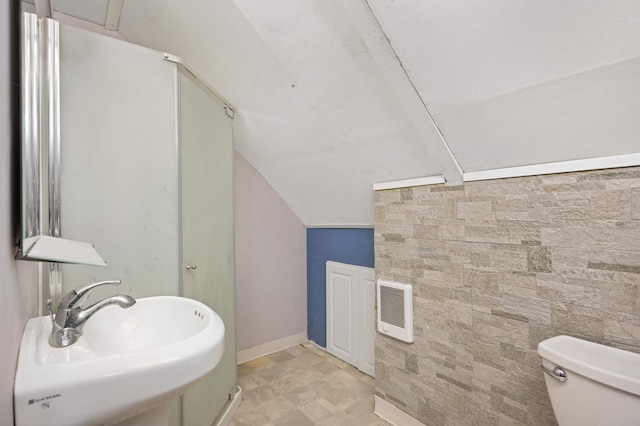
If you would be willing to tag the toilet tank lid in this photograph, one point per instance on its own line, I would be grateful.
(614, 367)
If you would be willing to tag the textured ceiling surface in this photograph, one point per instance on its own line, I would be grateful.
(92, 10)
(514, 83)
(317, 114)
(331, 96)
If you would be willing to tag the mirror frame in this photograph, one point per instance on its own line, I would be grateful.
(40, 230)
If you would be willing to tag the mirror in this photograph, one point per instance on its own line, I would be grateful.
(40, 234)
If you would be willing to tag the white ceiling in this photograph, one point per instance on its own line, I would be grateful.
(94, 11)
(325, 108)
(522, 82)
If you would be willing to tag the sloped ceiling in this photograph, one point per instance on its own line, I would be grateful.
(318, 115)
(331, 96)
(523, 82)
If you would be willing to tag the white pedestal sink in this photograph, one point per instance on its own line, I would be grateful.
(128, 362)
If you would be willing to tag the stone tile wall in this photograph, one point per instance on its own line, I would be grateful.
(497, 266)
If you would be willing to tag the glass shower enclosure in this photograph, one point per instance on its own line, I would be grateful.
(146, 158)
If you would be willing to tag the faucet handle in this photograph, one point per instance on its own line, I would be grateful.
(77, 296)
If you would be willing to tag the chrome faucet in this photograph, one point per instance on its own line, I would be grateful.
(70, 317)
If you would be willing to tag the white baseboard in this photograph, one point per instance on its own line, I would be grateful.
(271, 347)
(392, 414)
(230, 409)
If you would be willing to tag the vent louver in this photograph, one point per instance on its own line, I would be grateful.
(392, 306)
(395, 310)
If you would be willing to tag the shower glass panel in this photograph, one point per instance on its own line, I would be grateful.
(207, 234)
(119, 167)
(146, 176)
(119, 171)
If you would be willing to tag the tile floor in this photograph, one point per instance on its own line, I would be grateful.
(302, 386)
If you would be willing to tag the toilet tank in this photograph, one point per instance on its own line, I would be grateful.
(602, 386)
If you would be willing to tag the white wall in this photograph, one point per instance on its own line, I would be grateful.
(271, 266)
(18, 279)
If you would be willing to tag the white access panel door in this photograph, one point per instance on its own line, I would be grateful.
(351, 315)
(342, 312)
(366, 321)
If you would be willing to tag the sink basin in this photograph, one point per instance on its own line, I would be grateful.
(126, 362)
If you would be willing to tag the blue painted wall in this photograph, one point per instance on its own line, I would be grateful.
(353, 246)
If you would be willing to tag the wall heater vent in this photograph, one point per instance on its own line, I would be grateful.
(395, 310)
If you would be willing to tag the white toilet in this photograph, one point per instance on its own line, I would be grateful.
(591, 384)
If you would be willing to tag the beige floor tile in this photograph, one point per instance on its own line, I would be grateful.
(304, 385)
(274, 409)
(258, 364)
(329, 406)
(326, 367)
(324, 386)
(282, 356)
(297, 350)
(342, 399)
(301, 395)
(360, 409)
(343, 377)
(310, 358)
(250, 381)
(361, 389)
(367, 379)
(274, 372)
(334, 421)
(286, 384)
(294, 418)
(249, 417)
(261, 394)
(316, 411)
